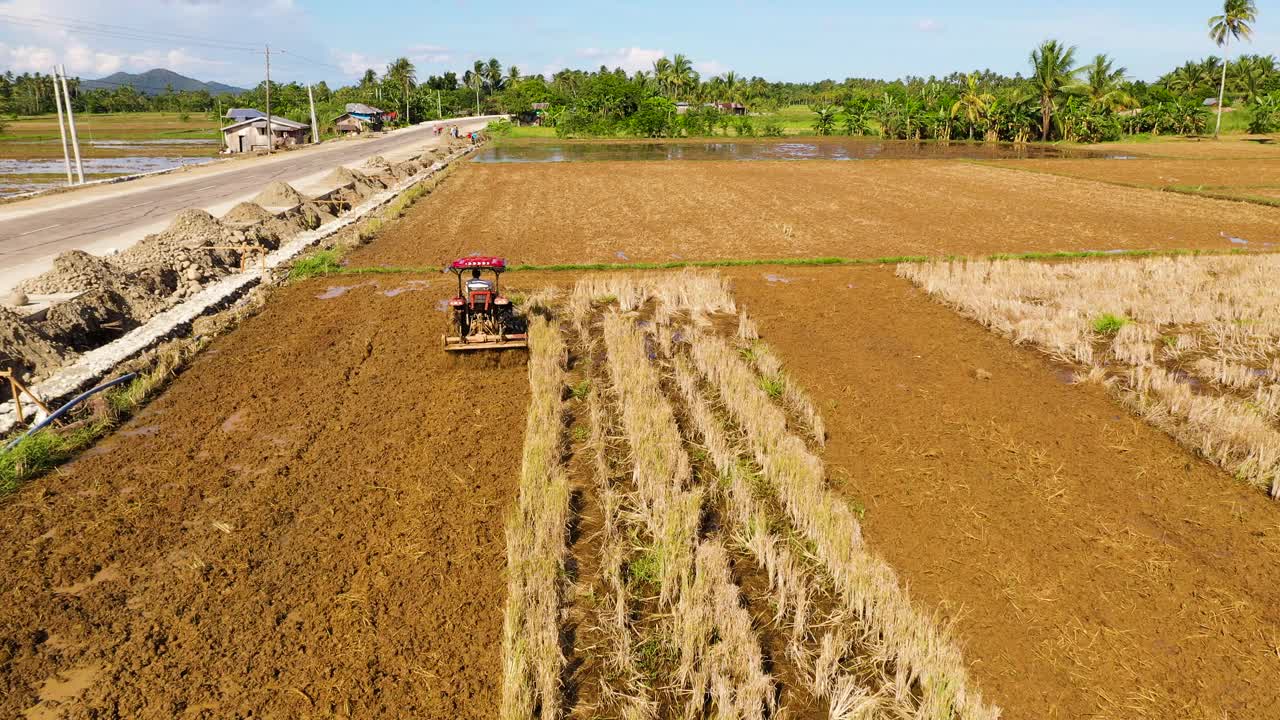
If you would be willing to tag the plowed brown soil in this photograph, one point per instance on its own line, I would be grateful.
(1229, 147)
(1093, 568)
(307, 523)
(1161, 172)
(654, 211)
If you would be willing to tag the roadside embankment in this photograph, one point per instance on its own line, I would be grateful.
(116, 307)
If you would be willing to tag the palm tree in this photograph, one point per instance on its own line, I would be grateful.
(1187, 78)
(1234, 22)
(493, 74)
(1254, 71)
(973, 103)
(475, 78)
(513, 75)
(732, 86)
(661, 74)
(1103, 85)
(1051, 74)
(681, 75)
(644, 79)
(401, 74)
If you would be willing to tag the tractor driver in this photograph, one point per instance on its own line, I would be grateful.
(478, 284)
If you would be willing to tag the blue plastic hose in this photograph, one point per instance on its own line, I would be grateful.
(63, 410)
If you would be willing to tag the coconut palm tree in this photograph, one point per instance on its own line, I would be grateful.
(1051, 74)
(973, 103)
(475, 79)
(1234, 22)
(732, 86)
(1254, 72)
(513, 75)
(493, 75)
(661, 73)
(402, 75)
(1103, 85)
(681, 76)
(644, 80)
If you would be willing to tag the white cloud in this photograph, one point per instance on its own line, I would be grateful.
(193, 37)
(929, 25)
(710, 68)
(83, 61)
(429, 54)
(354, 64)
(630, 59)
(27, 58)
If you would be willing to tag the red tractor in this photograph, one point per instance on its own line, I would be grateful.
(482, 318)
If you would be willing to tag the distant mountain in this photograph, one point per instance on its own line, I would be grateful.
(153, 82)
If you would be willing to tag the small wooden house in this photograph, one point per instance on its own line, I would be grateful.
(358, 118)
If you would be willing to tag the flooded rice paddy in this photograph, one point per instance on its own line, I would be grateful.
(33, 165)
(22, 176)
(850, 149)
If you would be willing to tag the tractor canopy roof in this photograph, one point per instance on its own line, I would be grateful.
(479, 262)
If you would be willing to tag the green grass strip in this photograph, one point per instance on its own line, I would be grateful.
(815, 261)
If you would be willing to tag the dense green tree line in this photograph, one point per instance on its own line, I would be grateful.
(1060, 97)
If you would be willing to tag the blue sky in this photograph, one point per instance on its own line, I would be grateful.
(334, 41)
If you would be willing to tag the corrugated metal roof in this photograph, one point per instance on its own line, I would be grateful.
(276, 122)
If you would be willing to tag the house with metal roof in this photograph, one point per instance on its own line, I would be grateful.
(358, 118)
(236, 115)
(249, 135)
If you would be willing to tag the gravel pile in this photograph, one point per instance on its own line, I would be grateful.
(366, 185)
(122, 291)
(182, 256)
(74, 271)
(247, 213)
(279, 194)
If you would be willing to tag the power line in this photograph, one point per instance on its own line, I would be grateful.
(125, 28)
(120, 34)
(313, 62)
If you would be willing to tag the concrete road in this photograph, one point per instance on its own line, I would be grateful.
(111, 217)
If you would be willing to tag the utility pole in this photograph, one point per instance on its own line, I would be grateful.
(223, 141)
(477, 82)
(57, 101)
(71, 123)
(439, 112)
(315, 128)
(270, 139)
(406, 102)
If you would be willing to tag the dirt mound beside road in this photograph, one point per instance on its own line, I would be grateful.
(247, 213)
(26, 349)
(91, 320)
(333, 550)
(74, 271)
(365, 184)
(184, 255)
(279, 194)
